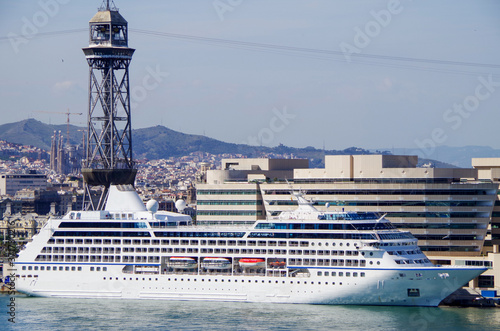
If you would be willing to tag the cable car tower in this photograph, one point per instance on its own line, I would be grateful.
(108, 155)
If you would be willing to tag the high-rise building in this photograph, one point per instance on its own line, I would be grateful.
(448, 210)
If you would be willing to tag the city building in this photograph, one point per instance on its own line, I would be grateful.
(448, 210)
(489, 169)
(11, 183)
(233, 194)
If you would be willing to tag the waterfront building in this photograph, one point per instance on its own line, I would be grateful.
(447, 209)
(489, 169)
(233, 195)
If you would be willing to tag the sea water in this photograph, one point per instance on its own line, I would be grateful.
(111, 314)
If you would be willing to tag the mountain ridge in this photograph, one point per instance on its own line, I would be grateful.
(160, 142)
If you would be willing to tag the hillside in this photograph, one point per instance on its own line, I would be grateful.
(159, 142)
(35, 133)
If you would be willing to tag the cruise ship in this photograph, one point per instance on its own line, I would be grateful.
(130, 250)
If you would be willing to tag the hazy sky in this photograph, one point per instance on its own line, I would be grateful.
(331, 93)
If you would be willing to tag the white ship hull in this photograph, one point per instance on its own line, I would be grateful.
(381, 287)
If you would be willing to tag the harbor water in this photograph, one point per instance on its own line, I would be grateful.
(105, 314)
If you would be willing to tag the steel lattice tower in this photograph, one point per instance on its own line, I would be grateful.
(108, 158)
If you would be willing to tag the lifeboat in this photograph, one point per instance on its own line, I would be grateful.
(252, 263)
(216, 263)
(182, 263)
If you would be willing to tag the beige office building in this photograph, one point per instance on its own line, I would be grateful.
(448, 210)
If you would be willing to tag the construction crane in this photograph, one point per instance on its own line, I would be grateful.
(68, 114)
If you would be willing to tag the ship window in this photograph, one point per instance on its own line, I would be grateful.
(327, 273)
(362, 274)
(98, 269)
(79, 268)
(127, 242)
(348, 274)
(355, 274)
(105, 269)
(30, 268)
(73, 268)
(48, 268)
(107, 241)
(341, 274)
(61, 268)
(334, 273)
(146, 242)
(97, 241)
(24, 267)
(67, 268)
(320, 273)
(413, 292)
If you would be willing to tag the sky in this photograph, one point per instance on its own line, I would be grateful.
(324, 73)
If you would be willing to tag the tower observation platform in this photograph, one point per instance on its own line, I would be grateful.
(108, 156)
